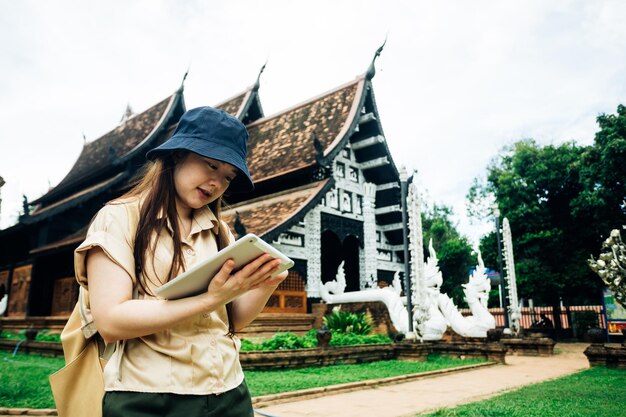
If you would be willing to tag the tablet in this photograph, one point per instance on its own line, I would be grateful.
(196, 280)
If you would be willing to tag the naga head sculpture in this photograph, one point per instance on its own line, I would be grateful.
(432, 275)
(478, 286)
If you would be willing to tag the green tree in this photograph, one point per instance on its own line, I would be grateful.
(604, 176)
(561, 202)
(534, 187)
(453, 250)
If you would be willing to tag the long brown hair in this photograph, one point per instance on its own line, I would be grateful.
(158, 207)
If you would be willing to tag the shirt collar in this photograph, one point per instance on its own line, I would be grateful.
(203, 219)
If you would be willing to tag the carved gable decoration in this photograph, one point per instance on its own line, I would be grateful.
(263, 215)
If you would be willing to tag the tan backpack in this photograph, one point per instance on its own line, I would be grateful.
(78, 387)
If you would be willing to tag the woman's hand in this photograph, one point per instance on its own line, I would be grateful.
(274, 281)
(227, 286)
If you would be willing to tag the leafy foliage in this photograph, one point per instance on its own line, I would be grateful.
(561, 202)
(282, 341)
(286, 341)
(45, 336)
(348, 322)
(12, 335)
(583, 321)
(42, 336)
(348, 339)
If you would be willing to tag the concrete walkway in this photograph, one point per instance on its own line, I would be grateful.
(411, 398)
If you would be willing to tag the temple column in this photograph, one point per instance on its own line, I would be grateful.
(313, 247)
(369, 236)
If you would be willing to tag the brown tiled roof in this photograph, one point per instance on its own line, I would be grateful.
(73, 239)
(267, 214)
(85, 192)
(233, 104)
(117, 143)
(283, 143)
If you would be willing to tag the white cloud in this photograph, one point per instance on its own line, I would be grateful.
(456, 81)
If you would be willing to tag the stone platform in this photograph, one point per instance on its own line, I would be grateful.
(610, 355)
(529, 346)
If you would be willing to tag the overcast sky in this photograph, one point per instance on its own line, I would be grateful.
(456, 81)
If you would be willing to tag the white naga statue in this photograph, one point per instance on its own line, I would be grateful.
(442, 312)
(332, 292)
(433, 311)
(476, 295)
(436, 324)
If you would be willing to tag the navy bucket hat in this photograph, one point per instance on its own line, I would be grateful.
(214, 134)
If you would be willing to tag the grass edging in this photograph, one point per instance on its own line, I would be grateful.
(305, 394)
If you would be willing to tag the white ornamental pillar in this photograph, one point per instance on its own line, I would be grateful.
(369, 235)
(313, 247)
(514, 308)
(416, 245)
(405, 240)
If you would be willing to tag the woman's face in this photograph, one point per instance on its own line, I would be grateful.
(200, 181)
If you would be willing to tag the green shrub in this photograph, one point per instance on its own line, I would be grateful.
(348, 322)
(46, 336)
(583, 321)
(42, 336)
(346, 339)
(12, 335)
(282, 341)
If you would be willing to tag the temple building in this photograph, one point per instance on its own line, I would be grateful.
(326, 191)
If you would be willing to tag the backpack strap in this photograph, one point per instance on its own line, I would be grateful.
(88, 327)
(86, 319)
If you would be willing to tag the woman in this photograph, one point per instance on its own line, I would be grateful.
(175, 357)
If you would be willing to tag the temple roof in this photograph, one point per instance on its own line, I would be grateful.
(114, 147)
(73, 239)
(283, 143)
(233, 104)
(80, 196)
(246, 106)
(270, 215)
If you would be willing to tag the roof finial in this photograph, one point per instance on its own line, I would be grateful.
(128, 113)
(257, 84)
(239, 226)
(371, 71)
(182, 83)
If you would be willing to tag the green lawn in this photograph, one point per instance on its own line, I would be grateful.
(272, 382)
(595, 392)
(25, 377)
(25, 380)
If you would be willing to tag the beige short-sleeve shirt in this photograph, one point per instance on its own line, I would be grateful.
(193, 357)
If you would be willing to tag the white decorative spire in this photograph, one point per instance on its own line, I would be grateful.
(514, 308)
(419, 297)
